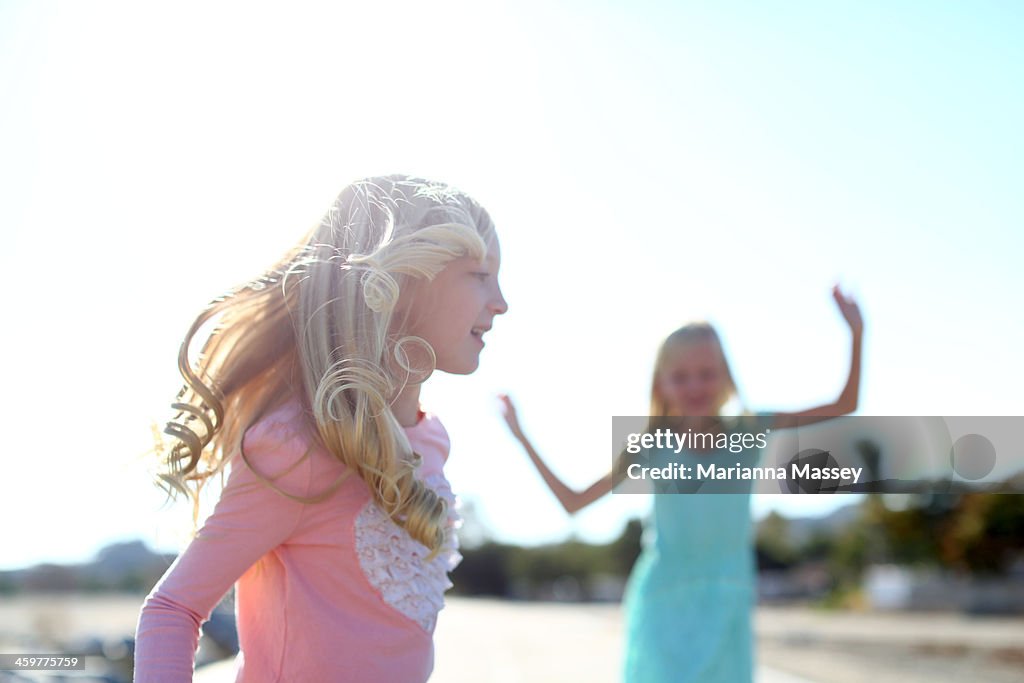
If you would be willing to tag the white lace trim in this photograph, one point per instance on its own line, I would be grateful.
(395, 564)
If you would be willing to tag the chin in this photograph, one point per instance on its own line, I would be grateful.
(460, 366)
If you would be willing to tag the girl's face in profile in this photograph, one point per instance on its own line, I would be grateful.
(693, 379)
(453, 311)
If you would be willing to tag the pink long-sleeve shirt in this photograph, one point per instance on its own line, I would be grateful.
(327, 591)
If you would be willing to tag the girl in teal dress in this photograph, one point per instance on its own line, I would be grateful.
(689, 599)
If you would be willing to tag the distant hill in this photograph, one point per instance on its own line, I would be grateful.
(128, 566)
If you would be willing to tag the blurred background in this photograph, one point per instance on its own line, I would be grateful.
(647, 164)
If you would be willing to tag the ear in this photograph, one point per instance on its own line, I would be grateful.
(410, 295)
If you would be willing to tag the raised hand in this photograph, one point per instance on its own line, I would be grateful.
(849, 309)
(570, 499)
(508, 411)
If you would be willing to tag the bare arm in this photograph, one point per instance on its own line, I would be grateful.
(847, 401)
(570, 499)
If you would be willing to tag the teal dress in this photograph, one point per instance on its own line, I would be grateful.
(689, 599)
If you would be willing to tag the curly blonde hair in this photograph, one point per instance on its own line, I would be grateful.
(321, 325)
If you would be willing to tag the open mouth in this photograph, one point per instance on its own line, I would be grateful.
(478, 333)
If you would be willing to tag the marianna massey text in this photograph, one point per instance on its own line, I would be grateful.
(715, 471)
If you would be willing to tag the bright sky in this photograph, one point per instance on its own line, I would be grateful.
(646, 164)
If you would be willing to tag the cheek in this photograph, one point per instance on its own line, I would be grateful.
(442, 329)
(460, 313)
(670, 390)
(710, 383)
(447, 324)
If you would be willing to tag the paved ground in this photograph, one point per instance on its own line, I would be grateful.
(492, 641)
(500, 642)
(902, 647)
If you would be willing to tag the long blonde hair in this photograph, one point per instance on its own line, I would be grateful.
(321, 325)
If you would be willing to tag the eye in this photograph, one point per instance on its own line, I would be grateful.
(482, 275)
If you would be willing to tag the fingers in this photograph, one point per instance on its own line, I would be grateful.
(508, 410)
(838, 295)
(844, 300)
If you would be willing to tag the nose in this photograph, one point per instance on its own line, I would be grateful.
(498, 303)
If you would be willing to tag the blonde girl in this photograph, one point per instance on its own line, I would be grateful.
(689, 597)
(336, 523)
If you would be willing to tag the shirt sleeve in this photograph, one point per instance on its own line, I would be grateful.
(249, 520)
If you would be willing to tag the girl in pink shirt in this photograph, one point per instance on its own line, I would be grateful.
(336, 524)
